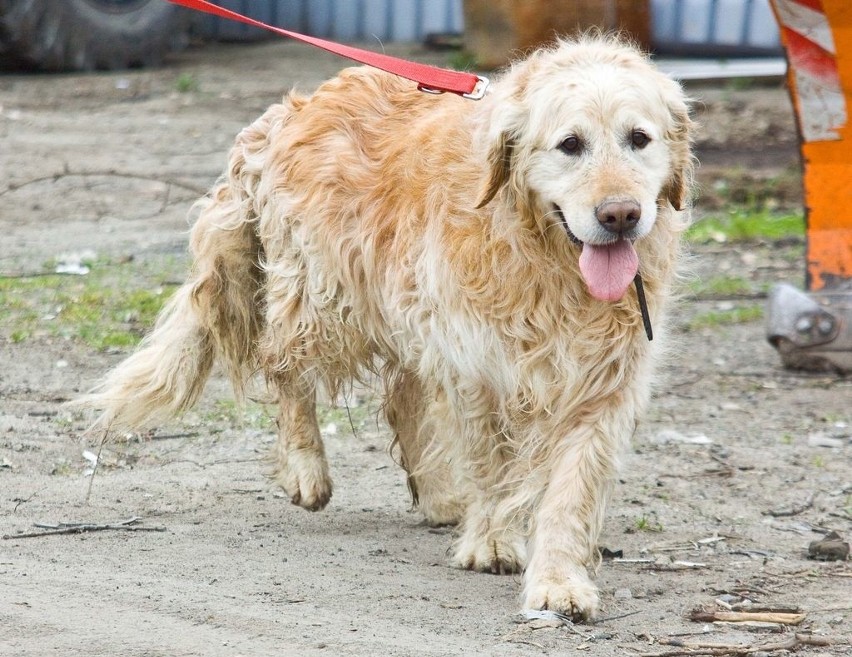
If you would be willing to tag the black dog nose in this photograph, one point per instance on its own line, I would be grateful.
(618, 216)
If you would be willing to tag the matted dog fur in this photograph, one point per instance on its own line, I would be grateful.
(478, 256)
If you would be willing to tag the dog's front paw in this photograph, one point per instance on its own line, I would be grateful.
(305, 479)
(575, 596)
(497, 554)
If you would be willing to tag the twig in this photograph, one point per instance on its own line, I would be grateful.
(97, 463)
(612, 618)
(701, 616)
(83, 527)
(21, 500)
(721, 650)
(36, 274)
(211, 463)
(845, 516)
(750, 606)
(527, 643)
(675, 566)
(110, 173)
(349, 416)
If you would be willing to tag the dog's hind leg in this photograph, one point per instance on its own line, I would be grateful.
(489, 541)
(291, 357)
(436, 487)
(300, 466)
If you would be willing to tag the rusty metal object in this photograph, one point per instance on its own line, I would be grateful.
(497, 30)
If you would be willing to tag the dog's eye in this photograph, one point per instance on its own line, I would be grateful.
(639, 139)
(571, 145)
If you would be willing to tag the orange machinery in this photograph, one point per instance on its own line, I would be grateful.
(812, 331)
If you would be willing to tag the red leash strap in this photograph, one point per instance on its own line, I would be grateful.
(430, 79)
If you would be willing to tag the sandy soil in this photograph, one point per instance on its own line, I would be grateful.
(723, 492)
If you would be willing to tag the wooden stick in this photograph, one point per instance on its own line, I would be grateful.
(83, 527)
(721, 650)
(701, 616)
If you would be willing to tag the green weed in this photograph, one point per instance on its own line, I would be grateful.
(250, 415)
(187, 83)
(740, 84)
(716, 318)
(645, 524)
(462, 60)
(721, 285)
(739, 226)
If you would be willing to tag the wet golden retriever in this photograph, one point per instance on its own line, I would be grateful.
(479, 257)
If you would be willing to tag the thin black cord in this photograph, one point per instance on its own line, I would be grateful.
(643, 306)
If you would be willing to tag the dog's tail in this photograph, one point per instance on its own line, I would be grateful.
(216, 314)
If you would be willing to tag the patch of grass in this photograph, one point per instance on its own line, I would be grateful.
(716, 318)
(252, 415)
(111, 306)
(740, 84)
(645, 524)
(19, 335)
(721, 285)
(739, 226)
(462, 60)
(361, 416)
(62, 469)
(187, 83)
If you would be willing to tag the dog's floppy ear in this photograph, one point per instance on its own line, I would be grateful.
(499, 168)
(676, 189)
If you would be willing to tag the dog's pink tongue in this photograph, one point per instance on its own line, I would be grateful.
(608, 270)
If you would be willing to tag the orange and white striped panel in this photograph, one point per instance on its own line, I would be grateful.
(811, 51)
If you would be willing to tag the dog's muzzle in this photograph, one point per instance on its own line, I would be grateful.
(620, 219)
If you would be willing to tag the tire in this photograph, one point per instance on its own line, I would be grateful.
(85, 35)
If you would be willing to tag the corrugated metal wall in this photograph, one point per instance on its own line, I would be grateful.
(714, 27)
(689, 27)
(346, 20)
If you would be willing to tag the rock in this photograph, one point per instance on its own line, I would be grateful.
(667, 436)
(819, 439)
(830, 548)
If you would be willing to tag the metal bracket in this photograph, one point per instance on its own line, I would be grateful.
(811, 331)
(478, 93)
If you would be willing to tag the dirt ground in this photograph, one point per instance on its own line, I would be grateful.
(725, 488)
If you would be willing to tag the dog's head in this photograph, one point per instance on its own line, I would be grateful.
(592, 138)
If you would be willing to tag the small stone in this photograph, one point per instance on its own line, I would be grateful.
(623, 594)
(819, 439)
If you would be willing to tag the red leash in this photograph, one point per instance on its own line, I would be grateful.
(430, 79)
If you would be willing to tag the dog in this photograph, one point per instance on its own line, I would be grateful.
(476, 258)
